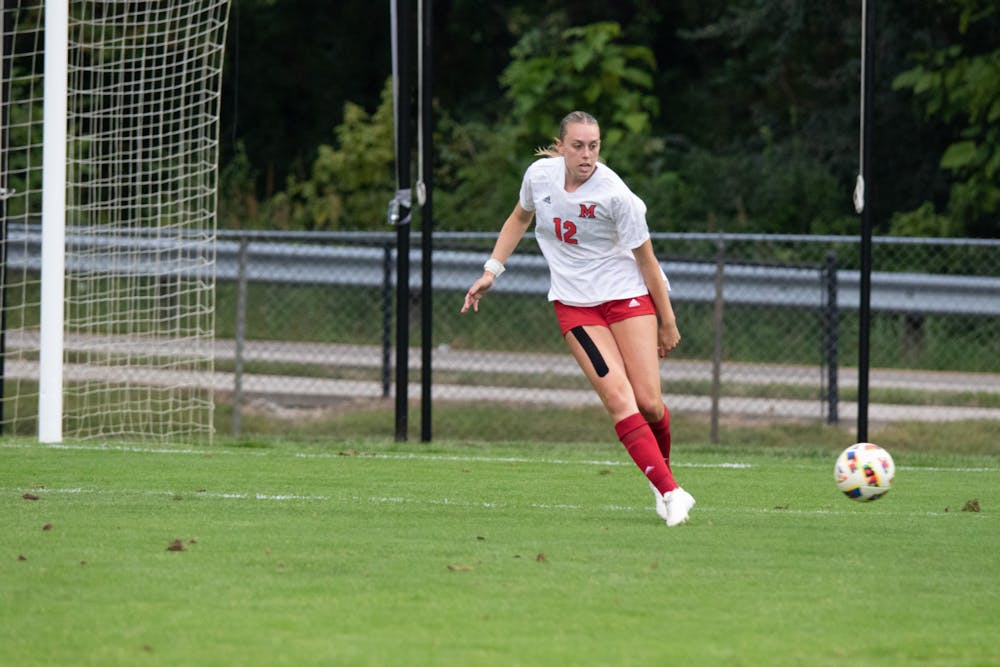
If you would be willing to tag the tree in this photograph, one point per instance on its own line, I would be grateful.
(349, 184)
(554, 69)
(960, 85)
(741, 112)
(763, 119)
(290, 67)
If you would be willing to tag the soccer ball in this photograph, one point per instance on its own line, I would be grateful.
(864, 471)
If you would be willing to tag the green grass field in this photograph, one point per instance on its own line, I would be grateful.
(376, 553)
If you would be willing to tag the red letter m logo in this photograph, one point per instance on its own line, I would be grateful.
(587, 211)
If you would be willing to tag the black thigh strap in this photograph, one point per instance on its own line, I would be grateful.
(587, 343)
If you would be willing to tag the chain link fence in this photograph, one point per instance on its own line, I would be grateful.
(306, 322)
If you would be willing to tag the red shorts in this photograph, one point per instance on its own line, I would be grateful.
(603, 314)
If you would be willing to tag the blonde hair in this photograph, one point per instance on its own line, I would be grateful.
(572, 117)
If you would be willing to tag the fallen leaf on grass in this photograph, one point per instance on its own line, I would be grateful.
(22, 557)
(176, 545)
(972, 506)
(540, 558)
(30, 496)
(460, 568)
(47, 526)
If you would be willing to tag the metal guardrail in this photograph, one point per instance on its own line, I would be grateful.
(369, 260)
(269, 259)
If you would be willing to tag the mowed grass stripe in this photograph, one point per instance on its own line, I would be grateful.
(291, 497)
(540, 459)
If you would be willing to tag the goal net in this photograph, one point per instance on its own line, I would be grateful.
(142, 108)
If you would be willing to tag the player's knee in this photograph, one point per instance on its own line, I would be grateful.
(650, 407)
(618, 398)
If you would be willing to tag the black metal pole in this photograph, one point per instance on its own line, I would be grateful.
(831, 340)
(864, 319)
(718, 324)
(241, 334)
(386, 320)
(426, 221)
(402, 123)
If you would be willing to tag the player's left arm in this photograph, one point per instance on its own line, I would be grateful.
(668, 336)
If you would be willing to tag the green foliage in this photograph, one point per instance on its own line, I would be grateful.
(349, 185)
(479, 172)
(962, 88)
(778, 67)
(290, 66)
(555, 70)
(238, 204)
(923, 221)
(766, 122)
(776, 189)
(24, 173)
(724, 74)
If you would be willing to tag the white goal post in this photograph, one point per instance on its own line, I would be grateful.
(55, 121)
(110, 166)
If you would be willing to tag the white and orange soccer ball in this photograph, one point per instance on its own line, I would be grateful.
(864, 471)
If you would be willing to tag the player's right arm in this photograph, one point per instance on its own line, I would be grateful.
(511, 233)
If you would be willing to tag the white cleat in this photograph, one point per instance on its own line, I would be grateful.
(677, 505)
(661, 506)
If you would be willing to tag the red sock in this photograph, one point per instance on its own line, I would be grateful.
(635, 434)
(661, 431)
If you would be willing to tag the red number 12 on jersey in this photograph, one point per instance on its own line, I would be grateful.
(566, 231)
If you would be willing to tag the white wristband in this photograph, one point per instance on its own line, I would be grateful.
(494, 266)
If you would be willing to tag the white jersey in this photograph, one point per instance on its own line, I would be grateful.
(586, 236)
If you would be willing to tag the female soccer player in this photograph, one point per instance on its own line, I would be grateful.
(609, 292)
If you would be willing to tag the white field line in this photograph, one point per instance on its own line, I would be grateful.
(439, 502)
(132, 449)
(434, 457)
(517, 459)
